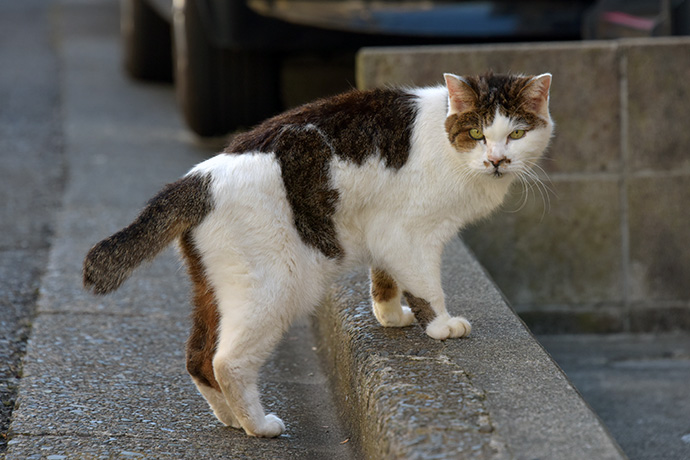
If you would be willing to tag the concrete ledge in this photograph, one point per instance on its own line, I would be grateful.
(494, 395)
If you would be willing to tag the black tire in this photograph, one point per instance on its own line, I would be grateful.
(147, 40)
(220, 90)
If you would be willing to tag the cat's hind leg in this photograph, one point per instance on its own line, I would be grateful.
(203, 336)
(386, 296)
(248, 332)
(218, 404)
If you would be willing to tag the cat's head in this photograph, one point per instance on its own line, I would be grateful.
(500, 124)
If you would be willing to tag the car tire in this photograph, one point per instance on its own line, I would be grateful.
(220, 90)
(147, 40)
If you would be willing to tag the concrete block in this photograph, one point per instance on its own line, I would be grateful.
(657, 74)
(659, 250)
(567, 254)
(585, 95)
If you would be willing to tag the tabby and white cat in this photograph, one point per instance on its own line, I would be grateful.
(382, 178)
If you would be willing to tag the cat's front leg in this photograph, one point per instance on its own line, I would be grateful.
(438, 324)
(421, 285)
(386, 295)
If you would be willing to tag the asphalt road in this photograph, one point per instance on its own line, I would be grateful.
(33, 176)
(638, 384)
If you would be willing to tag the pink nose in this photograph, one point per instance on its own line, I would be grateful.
(496, 161)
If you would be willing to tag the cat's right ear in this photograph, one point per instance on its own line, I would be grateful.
(461, 96)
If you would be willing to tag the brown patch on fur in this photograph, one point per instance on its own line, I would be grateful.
(303, 155)
(203, 337)
(458, 127)
(353, 126)
(505, 93)
(178, 207)
(383, 286)
(421, 308)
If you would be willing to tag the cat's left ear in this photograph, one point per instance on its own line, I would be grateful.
(537, 92)
(461, 97)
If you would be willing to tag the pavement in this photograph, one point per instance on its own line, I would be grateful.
(104, 377)
(638, 384)
(32, 166)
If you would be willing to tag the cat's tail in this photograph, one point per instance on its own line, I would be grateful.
(177, 208)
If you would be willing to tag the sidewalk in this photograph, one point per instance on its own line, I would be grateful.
(105, 377)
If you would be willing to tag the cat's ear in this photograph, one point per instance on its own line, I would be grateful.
(537, 93)
(461, 97)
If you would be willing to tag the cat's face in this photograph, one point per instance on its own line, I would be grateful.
(499, 124)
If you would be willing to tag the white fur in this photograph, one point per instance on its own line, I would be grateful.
(396, 220)
(391, 313)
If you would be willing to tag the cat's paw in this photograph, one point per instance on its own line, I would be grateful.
(270, 428)
(446, 327)
(401, 317)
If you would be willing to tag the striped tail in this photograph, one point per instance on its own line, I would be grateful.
(177, 208)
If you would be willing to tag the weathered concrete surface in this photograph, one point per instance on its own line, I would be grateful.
(600, 247)
(494, 395)
(31, 163)
(637, 383)
(104, 377)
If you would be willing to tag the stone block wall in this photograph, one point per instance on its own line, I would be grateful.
(607, 247)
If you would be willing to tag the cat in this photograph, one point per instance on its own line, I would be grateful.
(382, 178)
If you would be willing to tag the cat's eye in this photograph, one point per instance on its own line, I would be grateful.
(517, 134)
(476, 134)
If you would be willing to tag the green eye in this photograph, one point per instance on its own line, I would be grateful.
(517, 134)
(476, 134)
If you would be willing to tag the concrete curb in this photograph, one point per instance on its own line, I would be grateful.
(494, 395)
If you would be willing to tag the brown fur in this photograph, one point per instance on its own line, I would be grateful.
(203, 337)
(355, 123)
(179, 206)
(421, 308)
(303, 155)
(383, 286)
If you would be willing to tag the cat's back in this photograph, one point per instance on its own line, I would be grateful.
(354, 125)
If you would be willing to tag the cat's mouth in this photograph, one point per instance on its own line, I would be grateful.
(497, 168)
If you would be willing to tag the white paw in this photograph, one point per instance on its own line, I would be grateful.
(272, 427)
(445, 327)
(392, 318)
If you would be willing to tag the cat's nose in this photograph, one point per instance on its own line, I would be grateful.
(496, 161)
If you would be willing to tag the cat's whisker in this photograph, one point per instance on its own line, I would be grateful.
(547, 190)
(467, 175)
(542, 188)
(525, 193)
(529, 181)
(524, 185)
(534, 165)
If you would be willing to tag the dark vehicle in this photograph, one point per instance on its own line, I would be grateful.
(227, 54)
